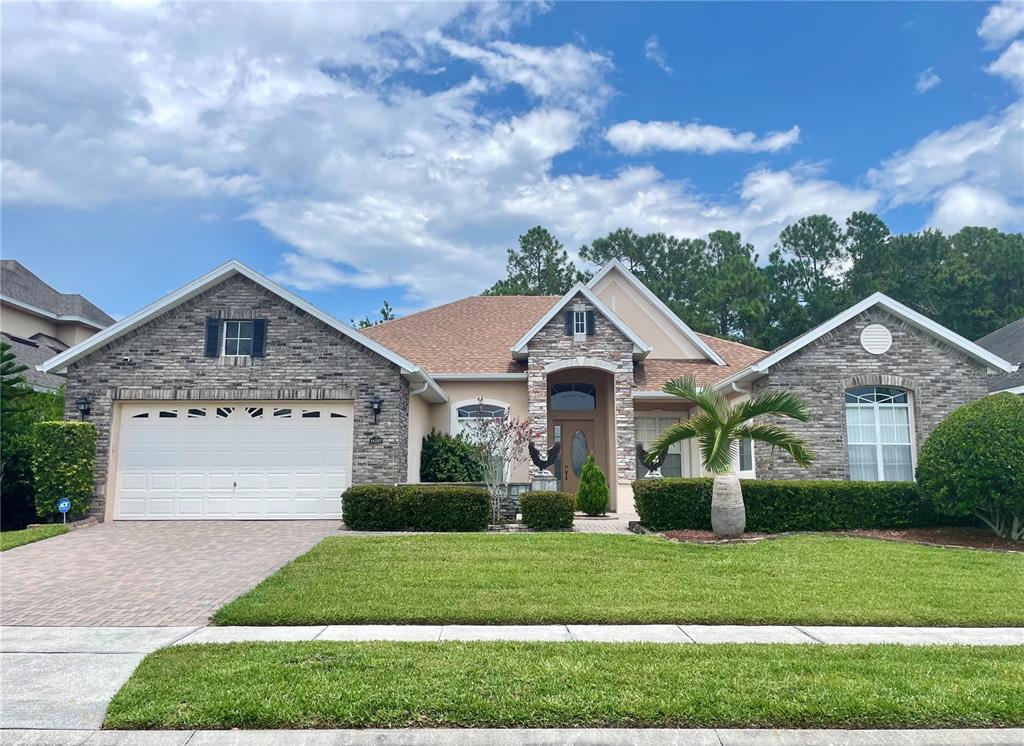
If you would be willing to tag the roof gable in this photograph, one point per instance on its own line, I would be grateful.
(640, 347)
(60, 362)
(22, 288)
(676, 331)
(897, 309)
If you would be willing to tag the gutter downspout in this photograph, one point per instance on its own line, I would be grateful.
(420, 390)
(739, 390)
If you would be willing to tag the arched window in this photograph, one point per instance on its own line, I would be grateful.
(878, 433)
(576, 397)
(466, 412)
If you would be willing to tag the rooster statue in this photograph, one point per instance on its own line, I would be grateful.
(541, 462)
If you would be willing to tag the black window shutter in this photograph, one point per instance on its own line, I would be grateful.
(259, 337)
(590, 323)
(568, 324)
(212, 338)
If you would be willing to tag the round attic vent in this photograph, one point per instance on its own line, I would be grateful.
(876, 339)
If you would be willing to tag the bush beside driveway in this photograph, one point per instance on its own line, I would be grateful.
(607, 579)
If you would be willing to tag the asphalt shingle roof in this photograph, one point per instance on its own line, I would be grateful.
(474, 335)
(19, 283)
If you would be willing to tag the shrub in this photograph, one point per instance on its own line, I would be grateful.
(64, 465)
(449, 458)
(592, 497)
(415, 507)
(787, 505)
(548, 510)
(973, 463)
(444, 508)
(17, 442)
(371, 507)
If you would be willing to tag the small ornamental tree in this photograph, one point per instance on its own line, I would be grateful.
(449, 458)
(64, 465)
(592, 497)
(501, 442)
(973, 464)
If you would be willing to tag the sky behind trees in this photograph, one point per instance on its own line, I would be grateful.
(364, 152)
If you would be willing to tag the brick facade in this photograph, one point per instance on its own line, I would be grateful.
(607, 348)
(939, 378)
(305, 359)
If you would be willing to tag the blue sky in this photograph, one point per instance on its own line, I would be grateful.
(363, 152)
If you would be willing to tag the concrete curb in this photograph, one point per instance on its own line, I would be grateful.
(521, 737)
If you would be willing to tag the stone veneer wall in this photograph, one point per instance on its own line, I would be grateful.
(607, 346)
(940, 379)
(305, 360)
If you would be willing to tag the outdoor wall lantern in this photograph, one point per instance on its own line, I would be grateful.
(82, 403)
(375, 404)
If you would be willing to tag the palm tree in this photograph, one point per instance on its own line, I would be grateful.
(717, 427)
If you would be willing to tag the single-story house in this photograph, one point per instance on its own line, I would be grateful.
(1008, 343)
(234, 398)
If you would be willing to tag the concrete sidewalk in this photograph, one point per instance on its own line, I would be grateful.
(664, 633)
(519, 737)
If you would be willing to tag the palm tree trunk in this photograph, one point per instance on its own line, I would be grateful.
(728, 515)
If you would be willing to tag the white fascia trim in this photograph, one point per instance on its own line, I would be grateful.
(657, 395)
(60, 362)
(640, 347)
(894, 307)
(654, 300)
(1014, 390)
(66, 318)
(479, 376)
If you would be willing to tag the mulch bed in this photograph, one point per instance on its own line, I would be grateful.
(953, 536)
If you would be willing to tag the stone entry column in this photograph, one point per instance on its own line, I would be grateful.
(537, 391)
(625, 434)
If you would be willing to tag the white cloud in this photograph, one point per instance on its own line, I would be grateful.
(963, 204)
(926, 80)
(639, 137)
(654, 53)
(1010, 64)
(1004, 21)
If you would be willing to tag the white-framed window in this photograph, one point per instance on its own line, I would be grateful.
(745, 459)
(647, 429)
(879, 437)
(579, 322)
(466, 412)
(238, 338)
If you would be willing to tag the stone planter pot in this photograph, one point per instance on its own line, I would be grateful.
(728, 515)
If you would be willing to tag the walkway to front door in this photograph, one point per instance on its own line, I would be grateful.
(146, 573)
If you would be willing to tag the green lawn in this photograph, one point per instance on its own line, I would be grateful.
(387, 684)
(563, 578)
(11, 539)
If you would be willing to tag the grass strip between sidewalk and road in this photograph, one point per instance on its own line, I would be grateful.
(606, 579)
(506, 684)
(12, 539)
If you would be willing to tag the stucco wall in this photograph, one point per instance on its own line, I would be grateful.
(22, 324)
(938, 377)
(510, 393)
(419, 426)
(305, 360)
(643, 318)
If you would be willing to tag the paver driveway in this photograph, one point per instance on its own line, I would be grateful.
(145, 573)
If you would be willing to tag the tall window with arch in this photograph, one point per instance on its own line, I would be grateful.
(879, 433)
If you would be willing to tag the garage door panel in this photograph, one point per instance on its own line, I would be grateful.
(237, 460)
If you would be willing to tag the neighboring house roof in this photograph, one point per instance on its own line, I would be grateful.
(1008, 343)
(33, 352)
(468, 336)
(640, 348)
(409, 369)
(22, 288)
(616, 266)
(895, 308)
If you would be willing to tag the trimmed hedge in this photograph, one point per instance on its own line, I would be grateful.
(64, 465)
(415, 507)
(547, 510)
(787, 505)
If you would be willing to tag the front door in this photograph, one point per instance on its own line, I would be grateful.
(577, 439)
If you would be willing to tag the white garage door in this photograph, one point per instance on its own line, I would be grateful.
(233, 460)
